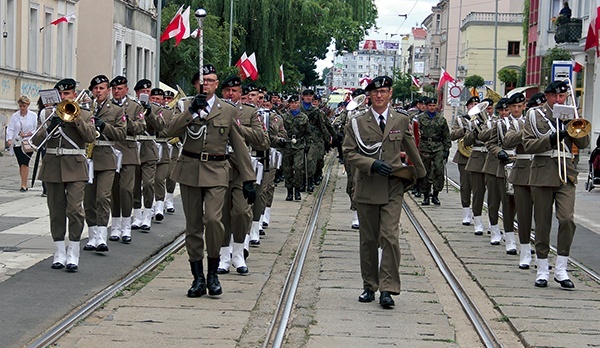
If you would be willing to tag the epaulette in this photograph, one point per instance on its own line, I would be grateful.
(402, 111)
(228, 101)
(250, 105)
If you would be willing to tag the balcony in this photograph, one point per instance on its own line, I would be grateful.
(479, 18)
(568, 30)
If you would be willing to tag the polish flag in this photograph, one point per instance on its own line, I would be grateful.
(250, 67)
(242, 72)
(179, 27)
(593, 35)
(415, 81)
(445, 78)
(577, 67)
(281, 77)
(70, 18)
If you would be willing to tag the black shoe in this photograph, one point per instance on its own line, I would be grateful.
(199, 283)
(222, 271)
(566, 284)
(541, 283)
(418, 195)
(212, 280)
(478, 233)
(303, 188)
(318, 181)
(145, 228)
(290, 195)
(297, 194)
(135, 227)
(386, 300)
(242, 270)
(89, 247)
(435, 200)
(368, 295)
(425, 200)
(511, 252)
(524, 266)
(57, 265)
(159, 217)
(261, 232)
(102, 248)
(355, 226)
(171, 210)
(255, 242)
(265, 224)
(126, 239)
(114, 238)
(71, 267)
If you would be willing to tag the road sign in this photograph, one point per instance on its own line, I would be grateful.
(454, 91)
(562, 70)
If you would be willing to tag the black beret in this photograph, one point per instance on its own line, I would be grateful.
(490, 101)
(169, 94)
(142, 84)
(317, 97)
(516, 99)
(157, 91)
(557, 87)
(245, 90)
(502, 104)
(293, 98)
(267, 97)
(119, 80)
(431, 101)
(262, 89)
(251, 87)
(536, 100)
(379, 82)
(209, 69)
(358, 92)
(98, 80)
(65, 84)
(474, 99)
(308, 92)
(231, 81)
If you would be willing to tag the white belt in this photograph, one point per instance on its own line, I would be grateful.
(130, 138)
(161, 140)
(60, 151)
(524, 156)
(553, 154)
(480, 148)
(146, 137)
(104, 143)
(510, 152)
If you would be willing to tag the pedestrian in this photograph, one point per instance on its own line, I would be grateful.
(20, 128)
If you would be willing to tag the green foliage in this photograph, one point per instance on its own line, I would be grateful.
(295, 33)
(403, 88)
(474, 81)
(428, 89)
(555, 53)
(526, 5)
(508, 75)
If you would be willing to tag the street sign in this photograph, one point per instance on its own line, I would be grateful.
(562, 70)
(454, 91)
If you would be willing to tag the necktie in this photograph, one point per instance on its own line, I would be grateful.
(381, 123)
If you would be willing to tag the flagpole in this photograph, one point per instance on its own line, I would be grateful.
(200, 14)
(230, 29)
(158, 32)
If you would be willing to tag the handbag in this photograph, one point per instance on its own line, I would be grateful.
(26, 146)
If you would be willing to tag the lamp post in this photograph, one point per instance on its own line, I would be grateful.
(230, 28)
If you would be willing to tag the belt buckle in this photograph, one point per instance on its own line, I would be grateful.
(204, 157)
(59, 152)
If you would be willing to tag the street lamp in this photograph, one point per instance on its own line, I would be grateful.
(230, 28)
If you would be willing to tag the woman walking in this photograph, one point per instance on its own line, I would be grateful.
(20, 129)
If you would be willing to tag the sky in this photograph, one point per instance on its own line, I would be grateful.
(389, 22)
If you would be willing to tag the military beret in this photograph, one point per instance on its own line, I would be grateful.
(293, 98)
(490, 101)
(358, 92)
(245, 90)
(251, 87)
(557, 87)
(208, 69)
(379, 82)
(119, 80)
(431, 101)
(169, 94)
(473, 99)
(502, 104)
(65, 84)
(98, 80)
(231, 81)
(516, 99)
(142, 84)
(157, 91)
(308, 92)
(262, 89)
(267, 97)
(536, 100)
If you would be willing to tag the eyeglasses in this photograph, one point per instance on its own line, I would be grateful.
(380, 92)
(209, 81)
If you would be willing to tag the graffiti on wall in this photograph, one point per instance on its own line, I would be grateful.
(30, 89)
(4, 86)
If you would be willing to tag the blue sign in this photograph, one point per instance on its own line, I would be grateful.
(562, 70)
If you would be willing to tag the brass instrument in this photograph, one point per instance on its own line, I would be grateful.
(180, 94)
(478, 111)
(464, 149)
(356, 102)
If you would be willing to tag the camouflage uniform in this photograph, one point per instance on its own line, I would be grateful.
(297, 127)
(434, 143)
(317, 135)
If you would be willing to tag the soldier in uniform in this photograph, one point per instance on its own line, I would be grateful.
(111, 123)
(65, 172)
(164, 155)
(434, 147)
(372, 146)
(174, 145)
(296, 124)
(122, 188)
(462, 125)
(207, 126)
(543, 134)
(144, 176)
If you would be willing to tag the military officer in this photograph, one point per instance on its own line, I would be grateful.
(145, 173)
(164, 156)
(122, 188)
(173, 145)
(111, 124)
(372, 146)
(434, 147)
(543, 135)
(207, 125)
(65, 172)
(296, 124)
(461, 125)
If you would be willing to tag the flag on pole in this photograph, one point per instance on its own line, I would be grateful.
(491, 94)
(577, 67)
(444, 78)
(250, 67)
(70, 18)
(593, 36)
(242, 72)
(281, 77)
(179, 27)
(415, 81)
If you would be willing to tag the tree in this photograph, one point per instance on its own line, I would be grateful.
(403, 88)
(474, 81)
(509, 76)
(553, 54)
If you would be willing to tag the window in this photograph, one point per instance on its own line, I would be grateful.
(47, 43)
(70, 48)
(127, 65)
(360, 75)
(436, 57)
(60, 47)
(360, 66)
(10, 29)
(32, 49)
(513, 48)
(352, 75)
(346, 66)
(361, 58)
(140, 63)
(438, 21)
(118, 69)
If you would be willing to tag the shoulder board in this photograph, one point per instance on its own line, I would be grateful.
(250, 105)
(230, 103)
(402, 112)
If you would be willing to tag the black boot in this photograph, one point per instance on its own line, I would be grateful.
(290, 195)
(435, 200)
(297, 194)
(303, 187)
(318, 179)
(425, 199)
(311, 186)
(212, 280)
(417, 192)
(199, 284)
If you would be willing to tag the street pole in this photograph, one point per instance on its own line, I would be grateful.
(230, 29)
(495, 45)
(158, 29)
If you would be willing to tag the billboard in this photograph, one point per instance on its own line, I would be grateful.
(379, 45)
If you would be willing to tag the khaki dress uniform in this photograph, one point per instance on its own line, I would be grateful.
(461, 125)
(475, 167)
(492, 185)
(97, 202)
(162, 165)
(548, 190)
(122, 189)
(65, 172)
(203, 171)
(378, 198)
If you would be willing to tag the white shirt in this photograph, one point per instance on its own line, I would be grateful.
(18, 123)
(384, 114)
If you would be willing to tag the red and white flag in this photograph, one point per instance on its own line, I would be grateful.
(179, 27)
(195, 33)
(593, 34)
(250, 67)
(70, 18)
(242, 72)
(444, 78)
(281, 77)
(415, 81)
(577, 67)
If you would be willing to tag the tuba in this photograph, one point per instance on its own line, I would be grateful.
(356, 102)
(478, 111)
(464, 149)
